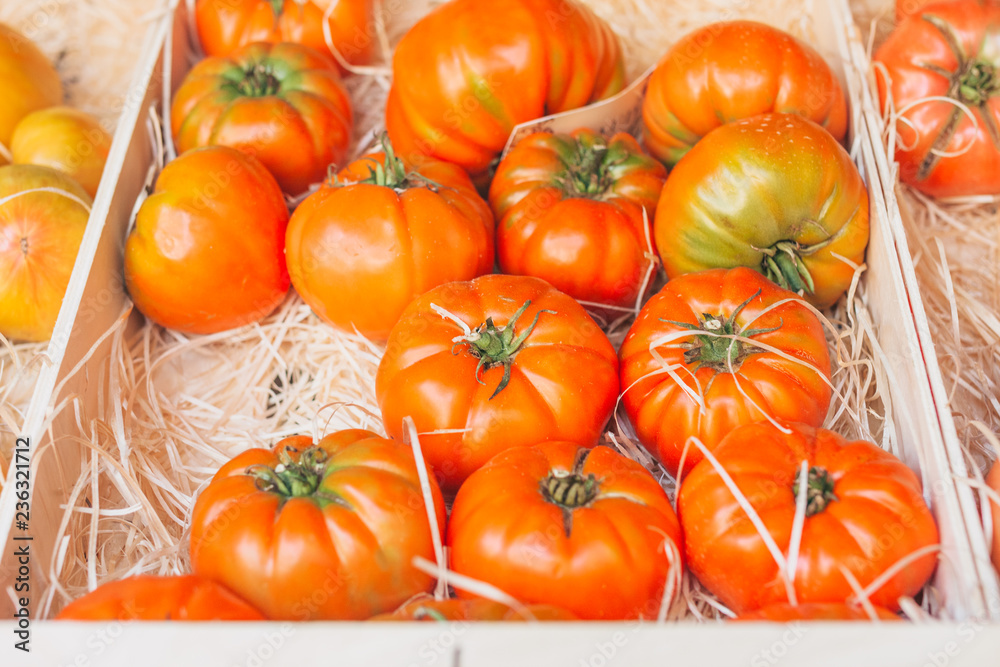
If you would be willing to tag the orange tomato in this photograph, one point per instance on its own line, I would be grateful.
(323, 530)
(719, 382)
(816, 611)
(993, 481)
(526, 364)
(732, 70)
(148, 598)
(40, 235)
(469, 71)
(226, 25)
(282, 103)
(207, 252)
(582, 529)
(577, 210)
(27, 82)
(66, 139)
(864, 512)
(473, 610)
(381, 233)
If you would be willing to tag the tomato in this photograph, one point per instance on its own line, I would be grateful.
(149, 598)
(66, 139)
(40, 235)
(282, 103)
(800, 207)
(27, 82)
(993, 481)
(719, 382)
(570, 210)
(475, 609)
(951, 50)
(364, 245)
(817, 611)
(226, 25)
(732, 70)
(469, 71)
(207, 250)
(864, 512)
(583, 529)
(526, 364)
(322, 530)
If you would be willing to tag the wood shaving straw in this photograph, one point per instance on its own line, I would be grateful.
(184, 405)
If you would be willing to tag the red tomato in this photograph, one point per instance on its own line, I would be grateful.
(148, 598)
(282, 103)
(207, 250)
(993, 481)
(473, 610)
(817, 611)
(323, 530)
(718, 382)
(40, 235)
(469, 71)
(526, 364)
(382, 232)
(727, 71)
(570, 210)
(952, 50)
(583, 529)
(865, 512)
(226, 25)
(27, 82)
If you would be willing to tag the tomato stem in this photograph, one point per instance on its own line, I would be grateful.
(258, 81)
(819, 490)
(294, 478)
(277, 6)
(588, 172)
(427, 612)
(716, 347)
(571, 490)
(392, 173)
(497, 346)
(784, 267)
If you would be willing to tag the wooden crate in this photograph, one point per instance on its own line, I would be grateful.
(916, 428)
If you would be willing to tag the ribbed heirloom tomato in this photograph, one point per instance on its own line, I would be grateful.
(383, 231)
(864, 513)
(323, 530)
(207, 250)
(494, 363)
(27, 82)
(282, 103)
(715, 350)
(476, 609)
(946, 50)
(226, 25)
(732, 70)
(774, 192)
(577, 210)
(148, 598)
(469, 71)
(588, 530)
(40, 236)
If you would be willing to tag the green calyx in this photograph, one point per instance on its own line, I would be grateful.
(715, 347)
(391, 173)
(819, 490)
(784, 267)
(258, 81)
(277, 6)
(293, 478)
(571, 490)
(978, 83)
(497, 346)
(428, 613)
(588, 172)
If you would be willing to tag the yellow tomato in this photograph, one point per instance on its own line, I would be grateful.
(27, 82)
(40, 234)
(66, 139)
